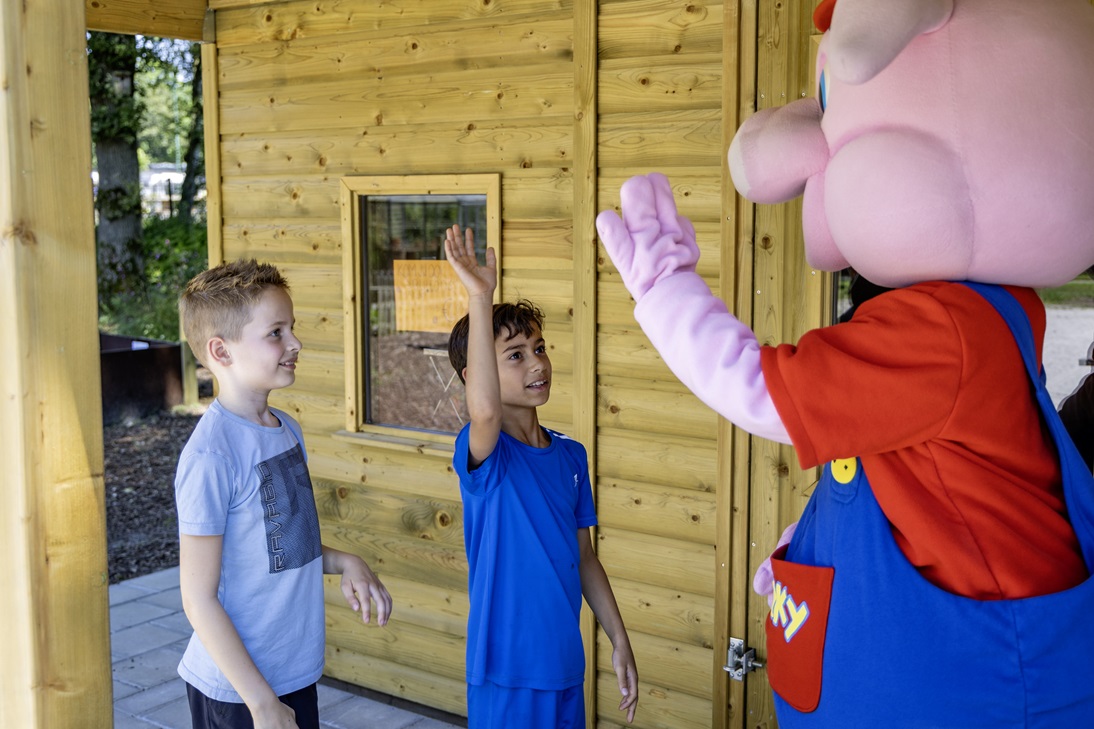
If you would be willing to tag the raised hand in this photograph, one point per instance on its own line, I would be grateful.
(651, 241)
(460, 251)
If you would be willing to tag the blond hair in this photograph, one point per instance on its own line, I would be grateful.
(217, 302)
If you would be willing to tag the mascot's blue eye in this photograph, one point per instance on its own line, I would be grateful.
(822, 90)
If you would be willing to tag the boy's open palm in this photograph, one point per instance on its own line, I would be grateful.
(460, 250)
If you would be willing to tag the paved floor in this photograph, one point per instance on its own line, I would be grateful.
(148, 633)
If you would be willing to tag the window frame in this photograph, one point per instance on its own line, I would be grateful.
(352, 189)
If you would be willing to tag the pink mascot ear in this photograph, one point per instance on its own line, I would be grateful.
(866, 35)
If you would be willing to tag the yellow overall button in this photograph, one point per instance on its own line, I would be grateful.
(844, 469)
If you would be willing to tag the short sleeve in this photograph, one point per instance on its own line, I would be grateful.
(477, 482)
(586, 510)
(204, 484)
(884, 380)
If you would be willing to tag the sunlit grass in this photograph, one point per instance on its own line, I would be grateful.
(1078, 293)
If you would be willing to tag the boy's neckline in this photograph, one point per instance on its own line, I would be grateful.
(277, 422)
(548, 438)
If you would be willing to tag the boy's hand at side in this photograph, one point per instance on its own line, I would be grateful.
(626, 673)
(360, 585)
(460, 250)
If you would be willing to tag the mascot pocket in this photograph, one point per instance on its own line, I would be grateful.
(796, 630)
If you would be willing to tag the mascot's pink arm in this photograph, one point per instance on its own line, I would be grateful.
(714, 355)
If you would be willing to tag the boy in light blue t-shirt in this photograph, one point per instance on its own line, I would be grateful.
(527, 508)
(251, 562)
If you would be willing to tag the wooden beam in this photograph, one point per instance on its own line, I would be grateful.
(56, 667)
(584, 283)
(214, 192)
(176, 19)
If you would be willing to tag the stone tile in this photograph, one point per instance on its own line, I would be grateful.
(144, 702)
(125, 721)
(329, 697)
(175, 621)
(135, 612)
(157, 581)
(121, 690)
(358, 712)
(140, 638)
(148, 669)
(171, 598)
(175, 715)
(124, 592)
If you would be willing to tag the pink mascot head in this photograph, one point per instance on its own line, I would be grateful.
(950, 139)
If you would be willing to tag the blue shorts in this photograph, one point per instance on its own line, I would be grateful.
(490, 706)
(206, 713)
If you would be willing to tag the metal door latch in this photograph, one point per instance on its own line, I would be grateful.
(740, 660)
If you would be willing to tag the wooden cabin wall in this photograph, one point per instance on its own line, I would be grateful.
(663, 94)
(566, 100)
(311, 92)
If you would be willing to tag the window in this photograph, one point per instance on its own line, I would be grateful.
(402, 297)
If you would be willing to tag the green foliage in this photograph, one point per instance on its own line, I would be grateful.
(1079, 293)
(173, 253)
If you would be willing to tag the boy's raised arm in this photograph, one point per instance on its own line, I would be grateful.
(481, 375)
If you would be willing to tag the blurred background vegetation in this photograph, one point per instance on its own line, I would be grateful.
(148, 179)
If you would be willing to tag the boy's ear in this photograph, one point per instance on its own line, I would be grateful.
(463, 374)
(217, 349)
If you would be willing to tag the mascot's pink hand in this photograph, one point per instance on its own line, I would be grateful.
(651, 241)
(763, 583)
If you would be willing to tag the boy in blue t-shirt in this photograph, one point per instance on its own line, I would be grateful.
(527, 508)
(250, 559)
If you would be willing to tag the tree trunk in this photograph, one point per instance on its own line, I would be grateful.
(195, 160)
(115, 122)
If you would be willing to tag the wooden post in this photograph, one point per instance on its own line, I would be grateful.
(55, 670)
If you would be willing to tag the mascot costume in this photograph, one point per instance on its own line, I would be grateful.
(940, 574)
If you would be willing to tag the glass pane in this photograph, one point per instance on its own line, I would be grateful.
(412, 299)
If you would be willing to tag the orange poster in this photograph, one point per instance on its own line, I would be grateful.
(428, 296)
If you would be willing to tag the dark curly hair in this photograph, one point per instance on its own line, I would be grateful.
(516, 318)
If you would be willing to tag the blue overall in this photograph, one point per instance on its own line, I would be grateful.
(897, 651)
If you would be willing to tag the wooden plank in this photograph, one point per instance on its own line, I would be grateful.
(696, 190)
(397, 642)
(658, 706)
(415, 603)
(661, 561)
(657, 509)
(383, 512)
(56, 667)
(400, 472)
(583, 401)
(676, 666)
(412, 683)
(543, 244)
(178, 19)
(665, 407)
(307, 19)
(214, 190)
(360, 51)
(408, 148)
(671, 614)
(280, 241)
(645, 28)
(687, 463)
(319, 371)
(542, 92)
(660, 84)
(661, 140)
(414, 559)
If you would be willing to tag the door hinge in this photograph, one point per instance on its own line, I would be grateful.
(740, 660)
